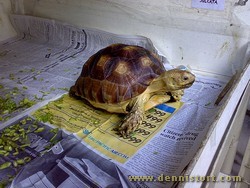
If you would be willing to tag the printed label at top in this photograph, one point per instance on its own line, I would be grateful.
(209, 4)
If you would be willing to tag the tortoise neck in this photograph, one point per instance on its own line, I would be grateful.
(158, 84)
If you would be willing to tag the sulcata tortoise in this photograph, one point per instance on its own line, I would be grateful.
(129, 79)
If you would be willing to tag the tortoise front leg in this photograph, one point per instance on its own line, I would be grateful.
(134, 118)
(177, 95)
(156, 100)
(132, 121)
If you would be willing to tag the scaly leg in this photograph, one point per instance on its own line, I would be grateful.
(177, 95)
(134, 118)
(156, 100)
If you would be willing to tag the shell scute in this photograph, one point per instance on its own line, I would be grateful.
(118, 73)
(109, 91)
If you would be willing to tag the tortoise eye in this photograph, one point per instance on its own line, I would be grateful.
(185, 78)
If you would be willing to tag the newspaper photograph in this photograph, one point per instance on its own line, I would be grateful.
(49, 139)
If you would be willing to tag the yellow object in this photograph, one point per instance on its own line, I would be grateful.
(99, 129)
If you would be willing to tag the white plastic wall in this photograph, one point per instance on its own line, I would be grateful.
(6, 29)
(207, 40)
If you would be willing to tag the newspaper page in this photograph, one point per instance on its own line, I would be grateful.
(70, 138)
(99, 129)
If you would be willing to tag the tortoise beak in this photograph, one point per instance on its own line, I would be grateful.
(186, 85)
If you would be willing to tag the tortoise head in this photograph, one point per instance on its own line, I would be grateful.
(176, 79)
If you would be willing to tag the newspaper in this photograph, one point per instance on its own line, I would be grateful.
(99, 129)
(70, 138)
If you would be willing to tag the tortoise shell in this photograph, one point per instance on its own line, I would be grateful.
(117, 73)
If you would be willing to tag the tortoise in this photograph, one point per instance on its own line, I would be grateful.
(129, 79)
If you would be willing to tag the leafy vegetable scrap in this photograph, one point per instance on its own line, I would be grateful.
(9, 103)
(16, 139)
